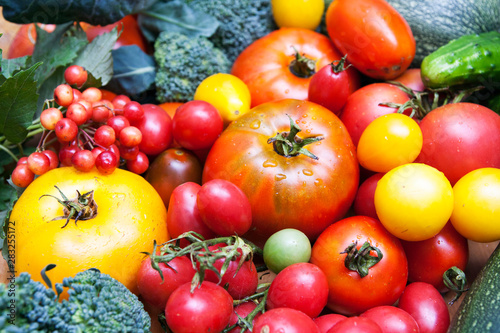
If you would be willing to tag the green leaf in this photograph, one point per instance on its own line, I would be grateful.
(58, 48)
(96, 57)
(18, 98)
(12, 66)
(133, 71)
(100, 12)
(178, 17)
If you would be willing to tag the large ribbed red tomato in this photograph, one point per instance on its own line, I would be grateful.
(296, 191)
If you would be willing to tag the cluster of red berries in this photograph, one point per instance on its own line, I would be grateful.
(89, 131)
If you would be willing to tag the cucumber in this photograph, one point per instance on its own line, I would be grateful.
(468, 61)
(436, 22)
(479, 311)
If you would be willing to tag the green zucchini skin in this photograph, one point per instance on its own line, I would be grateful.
(479, 311)
(436, 22)
(471, 60)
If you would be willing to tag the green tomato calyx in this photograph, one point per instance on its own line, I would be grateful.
(288, 144)
(83, 207)
(361, 260)
(302, 66)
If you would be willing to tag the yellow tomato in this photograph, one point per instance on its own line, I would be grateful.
(414, 201)
(476, 213)
(389, 141)
(305, 14)
(130, 216)
(227, 93)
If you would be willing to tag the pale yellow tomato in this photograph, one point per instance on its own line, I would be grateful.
(298, 13)
(227, 93)
(389, 141)
(414, 201)
(476, 213)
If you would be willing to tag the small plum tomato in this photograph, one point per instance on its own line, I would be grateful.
(284, 320)
(414, 201)
(392, 319)
(301, 286)
(224, 208)
(364, 203)
(356, 324)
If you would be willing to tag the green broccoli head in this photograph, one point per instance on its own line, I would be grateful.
(99, 303)
(241, 22)
(182, 63)
(28, 306)
(96, 303)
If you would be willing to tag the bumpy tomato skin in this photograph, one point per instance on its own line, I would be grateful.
(350, 294)
(126, 224)
(376, 38)
(265, 65)
(287, 192)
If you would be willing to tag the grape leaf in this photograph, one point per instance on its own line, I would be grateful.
(133, 70)
(175, 16)
(100, 12)
(18, 98)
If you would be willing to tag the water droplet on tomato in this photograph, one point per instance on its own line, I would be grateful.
(270, 164)
(279, 177)
(307, 172)
(255, 124)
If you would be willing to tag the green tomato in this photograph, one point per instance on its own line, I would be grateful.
(286, 247)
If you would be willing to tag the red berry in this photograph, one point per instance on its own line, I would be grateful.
(106, 162)
(49, 117)
(75, 75)
(22, 175)
(83, 160)
(63, 95)
(66, 130)
(38, 163)
(139, 164)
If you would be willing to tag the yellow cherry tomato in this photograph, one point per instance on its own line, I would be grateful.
(414, 201)
(227, 93)
(476, 213)
(389, 141)
(305, 14)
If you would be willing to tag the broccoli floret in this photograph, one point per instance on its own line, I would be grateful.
(182, 63)
(241, 22)
(96, 303)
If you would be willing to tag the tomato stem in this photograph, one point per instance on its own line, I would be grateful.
(338, 66)
(83, 207)
(288, 144)
(302, 66)
(455, 280)
(361, 260)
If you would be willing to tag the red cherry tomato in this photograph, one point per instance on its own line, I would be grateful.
(376, 38)
(331, 86)
(224, 208)
(156, 291)
(282, 320)
(364, 203)
(196, 125)
(183, 214)
(239, 281)
(424, 303)
(356, 325)
(392, 319)
(156, 128)
(301, 286)
(327, 321)
(459, 138)
(430, 258)
(363, 107)
(207, 309)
